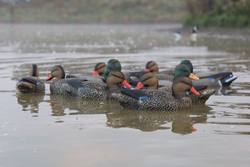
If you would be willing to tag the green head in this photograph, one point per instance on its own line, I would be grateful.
(112, 65)
(188, 64)
(181, 70)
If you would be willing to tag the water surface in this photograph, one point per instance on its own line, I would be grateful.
(45, 130)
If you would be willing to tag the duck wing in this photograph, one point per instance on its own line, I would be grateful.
(136, 94)
(152, 100)
(75, 83)
(225, 78)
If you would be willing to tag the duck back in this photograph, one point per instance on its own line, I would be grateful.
(76, 87)
(152, 100)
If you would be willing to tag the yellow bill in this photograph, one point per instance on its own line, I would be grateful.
(193, 77)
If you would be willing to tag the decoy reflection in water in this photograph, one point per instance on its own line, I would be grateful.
(32, 83)
(62, 105)
(178, 122)
(30, 101)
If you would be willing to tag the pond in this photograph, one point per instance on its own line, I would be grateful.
(45, 130)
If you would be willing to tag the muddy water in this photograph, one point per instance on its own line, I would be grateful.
(44, 130)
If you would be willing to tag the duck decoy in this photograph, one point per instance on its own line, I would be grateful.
(213, 80)
(180, 98)
(112, 72)
(96, 75)
(99, 69)
(86, 89)
(31, 84)
(151, 66)
(222, 79)
(112, 65)
(146, 78)
(74, 86)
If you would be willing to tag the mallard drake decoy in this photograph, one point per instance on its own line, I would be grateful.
(213, 80)
(31, 84)
(200, 93)
(112, 65)
(179, 99)
(113, 70)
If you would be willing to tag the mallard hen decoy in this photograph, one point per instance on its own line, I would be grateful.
(99, 69)
(84, 88)
(146, 78)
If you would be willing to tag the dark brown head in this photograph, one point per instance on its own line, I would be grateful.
(115, 79)
(99, 69)
(152, 66)
(57, 72)
(149, 80)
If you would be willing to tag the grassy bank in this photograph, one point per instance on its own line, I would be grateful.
(220, 13)
(105, 11)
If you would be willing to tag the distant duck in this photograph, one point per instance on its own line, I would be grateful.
(181, 97)
(183, 36)
(31, 84)
(193, 37)
(177, 36)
